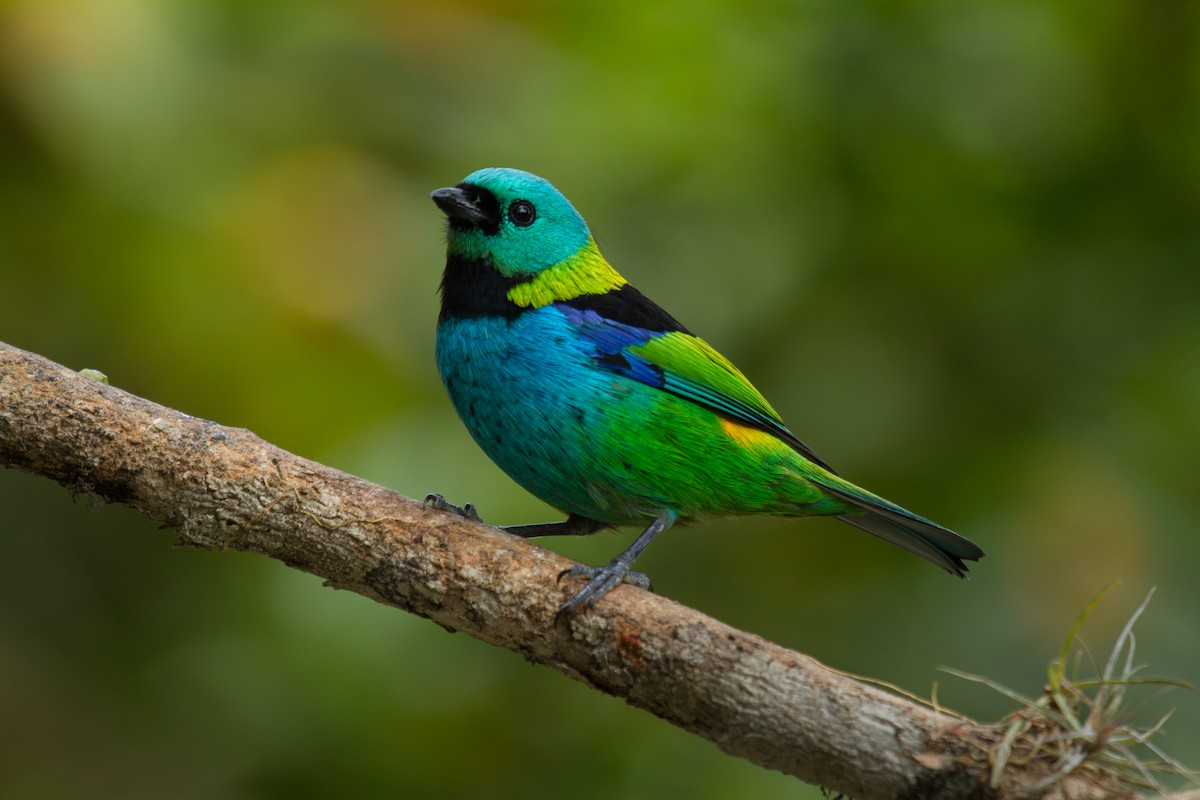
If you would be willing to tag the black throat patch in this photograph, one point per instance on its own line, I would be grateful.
(471, 287)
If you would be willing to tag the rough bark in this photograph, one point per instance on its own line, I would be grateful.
(221, 487)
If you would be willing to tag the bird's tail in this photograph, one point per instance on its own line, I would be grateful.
(901, 527)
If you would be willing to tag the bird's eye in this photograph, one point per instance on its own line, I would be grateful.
(521, 212)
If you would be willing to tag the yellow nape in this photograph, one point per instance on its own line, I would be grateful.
(586, 272)
(750, 438)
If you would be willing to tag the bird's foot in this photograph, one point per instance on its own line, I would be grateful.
(442, 504)
(601, 580)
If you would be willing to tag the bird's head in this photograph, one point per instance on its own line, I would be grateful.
(516, 221)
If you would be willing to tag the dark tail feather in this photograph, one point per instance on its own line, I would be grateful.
(917, 535)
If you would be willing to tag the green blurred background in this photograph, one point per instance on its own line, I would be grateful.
(955, 243)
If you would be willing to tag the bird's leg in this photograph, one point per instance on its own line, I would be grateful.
(601, 580)
(442, 504)
(574, 525)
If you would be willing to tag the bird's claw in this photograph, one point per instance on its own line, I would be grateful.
(442, 504)
(601, 580)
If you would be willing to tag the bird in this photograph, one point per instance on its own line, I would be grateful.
(600, 403)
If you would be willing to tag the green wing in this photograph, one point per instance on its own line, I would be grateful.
(689, 367)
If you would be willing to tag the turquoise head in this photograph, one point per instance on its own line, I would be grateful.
(515, 220)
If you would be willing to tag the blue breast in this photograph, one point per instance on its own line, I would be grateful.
(530, 394)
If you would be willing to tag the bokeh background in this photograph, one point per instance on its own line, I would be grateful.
(955, 243)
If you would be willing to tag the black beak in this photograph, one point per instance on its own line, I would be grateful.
(467, 205)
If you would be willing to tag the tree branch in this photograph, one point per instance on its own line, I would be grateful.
(220, 487)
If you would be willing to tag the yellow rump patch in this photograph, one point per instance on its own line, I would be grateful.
(586, 272)
(748, 437)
